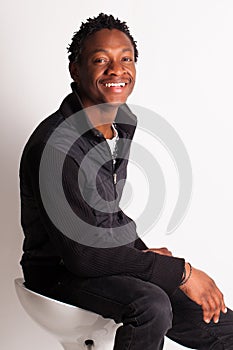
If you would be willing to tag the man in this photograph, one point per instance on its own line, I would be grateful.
(88, 253)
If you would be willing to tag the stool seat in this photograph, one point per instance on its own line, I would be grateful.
(73, 327)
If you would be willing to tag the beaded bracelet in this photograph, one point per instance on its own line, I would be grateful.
(186, 278)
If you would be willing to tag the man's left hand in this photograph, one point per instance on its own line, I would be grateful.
(161, 251)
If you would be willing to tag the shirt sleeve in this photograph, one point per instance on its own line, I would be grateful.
(84, 260)
(139, 244)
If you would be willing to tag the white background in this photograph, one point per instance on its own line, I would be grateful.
(185, 74)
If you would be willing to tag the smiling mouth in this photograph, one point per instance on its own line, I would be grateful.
(115, 84)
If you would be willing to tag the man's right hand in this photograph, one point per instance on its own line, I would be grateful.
(203, 291)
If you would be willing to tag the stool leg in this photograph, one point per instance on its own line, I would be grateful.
(89, 344)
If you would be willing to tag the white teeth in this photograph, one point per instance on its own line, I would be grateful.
(114, 84)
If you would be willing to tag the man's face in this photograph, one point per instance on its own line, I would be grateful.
(106, 69)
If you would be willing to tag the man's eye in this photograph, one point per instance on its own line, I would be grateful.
(100, 60)
(127, 59)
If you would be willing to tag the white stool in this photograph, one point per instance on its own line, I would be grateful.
(72, 326)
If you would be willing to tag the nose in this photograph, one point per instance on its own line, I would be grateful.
(115, 68)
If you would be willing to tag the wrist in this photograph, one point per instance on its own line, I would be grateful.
(186, 274)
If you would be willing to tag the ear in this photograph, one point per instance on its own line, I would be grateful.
(73, 71)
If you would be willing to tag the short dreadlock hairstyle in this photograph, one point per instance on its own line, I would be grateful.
(93, 25)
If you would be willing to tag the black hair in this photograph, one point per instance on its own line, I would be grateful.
(93, 25)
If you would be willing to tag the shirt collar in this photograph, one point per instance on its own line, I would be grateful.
(125, 121)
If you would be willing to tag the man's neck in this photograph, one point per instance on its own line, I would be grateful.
(102, 117)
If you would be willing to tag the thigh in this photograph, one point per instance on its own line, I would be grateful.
(113, 297)
(190, 330)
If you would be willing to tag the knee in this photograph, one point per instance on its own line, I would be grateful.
(160, 309)
(154, 308)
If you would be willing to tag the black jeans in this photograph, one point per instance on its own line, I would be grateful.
(147, 313)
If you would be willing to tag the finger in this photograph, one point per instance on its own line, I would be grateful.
(219, 299)
(165, 251)
(211, 310)
(223, 308)
(216, 316)
(207, 315)
(214, 307)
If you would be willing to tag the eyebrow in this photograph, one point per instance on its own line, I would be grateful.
(126, 49)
